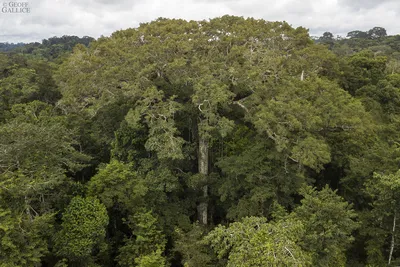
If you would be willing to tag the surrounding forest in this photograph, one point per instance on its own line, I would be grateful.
(226, 142)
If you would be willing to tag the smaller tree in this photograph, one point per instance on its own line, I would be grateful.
(328, 223)
(254, 242)
(22, 240)
(357, 34)
(385, 193)
(82, 230)
(146, 245)
(327, 38)
(193, 249)
(377, 32)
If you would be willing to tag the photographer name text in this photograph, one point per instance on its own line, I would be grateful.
(16, 8)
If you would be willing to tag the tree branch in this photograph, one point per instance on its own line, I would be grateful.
(241, 105)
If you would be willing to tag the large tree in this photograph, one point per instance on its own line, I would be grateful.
(215, 74)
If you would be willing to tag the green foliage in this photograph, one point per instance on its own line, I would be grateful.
(116, 184)
(23, 80)
(162, 131)
(373, 33)
(329, 222)
(380, 222)
(254, 242)
(302, 115)
(316, 233)
(37, 152)
(110, 152)
(22, 239)
(128, 144)
(5, 47)
(82, 230)
(146, 245)
(194, 251)
(154, 259)
(54, 47)
(255, 175)
(366, 68)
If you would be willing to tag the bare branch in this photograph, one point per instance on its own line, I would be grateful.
(290, 253)
(241, 105)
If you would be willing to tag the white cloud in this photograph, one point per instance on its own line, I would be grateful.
(102, 17)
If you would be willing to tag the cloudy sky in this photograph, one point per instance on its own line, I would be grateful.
(94, 18)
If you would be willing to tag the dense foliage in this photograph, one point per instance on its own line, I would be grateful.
(228, 142)
(49, 49)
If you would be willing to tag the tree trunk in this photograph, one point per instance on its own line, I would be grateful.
(392, 243)
(202, 208)
(27, 208)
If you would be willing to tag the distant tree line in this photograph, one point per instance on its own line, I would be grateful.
(50, 49)
(5, 47)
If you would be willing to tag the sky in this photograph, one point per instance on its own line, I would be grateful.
(41, 19)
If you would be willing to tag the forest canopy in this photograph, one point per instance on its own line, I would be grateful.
(222, 142)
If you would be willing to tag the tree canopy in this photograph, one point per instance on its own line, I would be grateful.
(221, 142)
